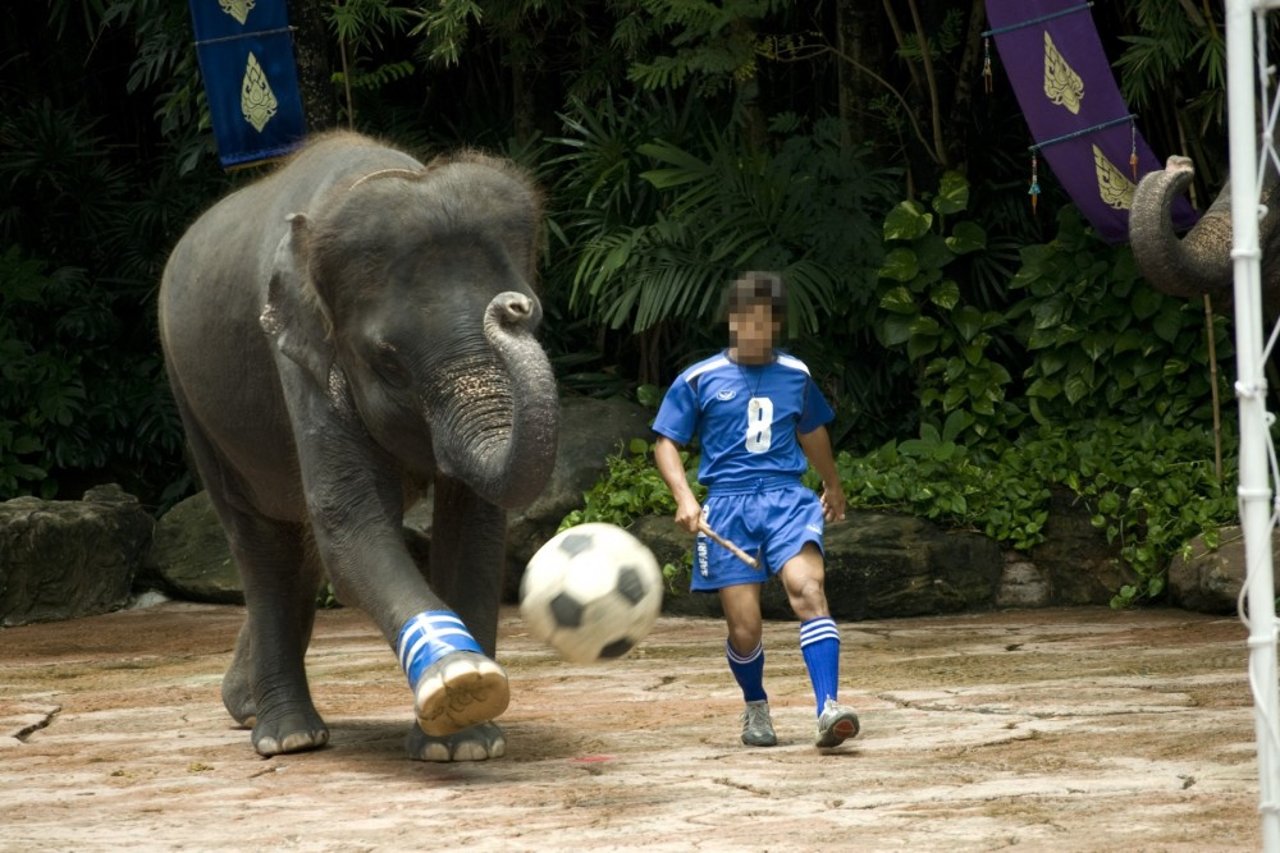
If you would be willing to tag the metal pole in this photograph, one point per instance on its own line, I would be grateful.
(1251, 390)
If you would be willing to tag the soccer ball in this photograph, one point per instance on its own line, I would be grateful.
(592, 592)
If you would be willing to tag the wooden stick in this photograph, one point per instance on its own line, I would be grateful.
(733, 549)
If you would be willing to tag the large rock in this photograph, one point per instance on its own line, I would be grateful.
(1209, 580)
(190, 559)
(1080, 566)
(63, 559)
(877, 565)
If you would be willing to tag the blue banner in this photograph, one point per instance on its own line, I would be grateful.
(245, 48)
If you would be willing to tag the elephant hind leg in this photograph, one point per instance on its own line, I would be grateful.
(267, 680)
(237, 682)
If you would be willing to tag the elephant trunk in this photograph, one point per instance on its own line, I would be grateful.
(1197, 264)
(500, 433)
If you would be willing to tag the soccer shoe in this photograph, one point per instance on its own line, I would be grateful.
(837, 724)
(757, 728)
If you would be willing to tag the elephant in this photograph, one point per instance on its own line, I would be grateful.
(341, 336)
(1200, 262)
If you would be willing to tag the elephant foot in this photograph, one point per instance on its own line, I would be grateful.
(295, 731)
(477, 743)
(461, 690)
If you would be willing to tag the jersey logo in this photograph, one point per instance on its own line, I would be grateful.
(726, 394)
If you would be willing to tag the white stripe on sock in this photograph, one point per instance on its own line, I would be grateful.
(819, 629)
(750, 657)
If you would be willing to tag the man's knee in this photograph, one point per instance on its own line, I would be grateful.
(745, 638)
(803, 577)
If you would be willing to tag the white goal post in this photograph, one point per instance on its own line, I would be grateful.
(1250, 80)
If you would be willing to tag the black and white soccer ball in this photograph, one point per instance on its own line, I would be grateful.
(591, 592)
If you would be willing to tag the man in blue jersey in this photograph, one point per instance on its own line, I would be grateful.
(760, 420)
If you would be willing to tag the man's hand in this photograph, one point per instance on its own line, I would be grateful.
(688, 511)
(817, 447)
(833, 503)
(667, 456)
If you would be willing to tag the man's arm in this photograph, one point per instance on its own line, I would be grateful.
(817, 447)
(666, 453)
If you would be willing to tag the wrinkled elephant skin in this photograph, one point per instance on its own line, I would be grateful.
(340, 336)
(1200, 262)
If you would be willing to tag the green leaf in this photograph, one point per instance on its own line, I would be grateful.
(920, 346)
(932, 252)
(1045, 388)
(968, 322)
(1169, 323)
(1129, 340)
(899, 265)
(956, 423)
(1075, 388)
(648, 395)
(894, 330)
(899, 300)
(907, 221)
(953, 194)
(1096, 344)
(946, 294)
(1146, 302)
(967, 237)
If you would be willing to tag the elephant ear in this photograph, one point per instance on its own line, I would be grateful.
(294, 316)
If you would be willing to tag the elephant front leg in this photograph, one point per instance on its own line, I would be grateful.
(455, 685)
(266, 684)
(465, 568)
(357, 517)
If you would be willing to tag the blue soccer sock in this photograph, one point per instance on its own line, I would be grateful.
(820, 645)
(748, 670)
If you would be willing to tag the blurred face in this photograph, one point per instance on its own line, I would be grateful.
(752, 331)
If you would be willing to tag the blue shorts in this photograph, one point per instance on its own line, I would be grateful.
(772, 526)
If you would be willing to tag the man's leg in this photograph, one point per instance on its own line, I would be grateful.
(802, 577)
(744, 650)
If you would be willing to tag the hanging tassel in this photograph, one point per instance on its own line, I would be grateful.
(986, 64)
(1034, 190)
(1133, 149)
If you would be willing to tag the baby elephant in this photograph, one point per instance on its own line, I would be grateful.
(342, 335)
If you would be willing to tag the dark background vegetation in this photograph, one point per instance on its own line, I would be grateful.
(978, 354)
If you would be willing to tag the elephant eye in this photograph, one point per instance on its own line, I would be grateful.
(389, 366)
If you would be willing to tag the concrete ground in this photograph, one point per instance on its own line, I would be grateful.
(1069, 729)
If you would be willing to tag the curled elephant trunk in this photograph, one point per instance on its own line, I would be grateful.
(504, 413)
(1197, 264)
(1200, 262)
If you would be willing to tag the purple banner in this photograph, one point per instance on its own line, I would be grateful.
(1054, 60)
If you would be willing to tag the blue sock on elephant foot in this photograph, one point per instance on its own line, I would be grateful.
(454, 685)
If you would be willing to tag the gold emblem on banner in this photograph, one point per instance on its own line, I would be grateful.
(238, 9)
(257, 101)
(1062, 86)
(1113, 187)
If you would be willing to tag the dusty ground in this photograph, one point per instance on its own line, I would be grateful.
(1080, 729)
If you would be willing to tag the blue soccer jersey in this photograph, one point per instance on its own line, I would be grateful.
(746, 418)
